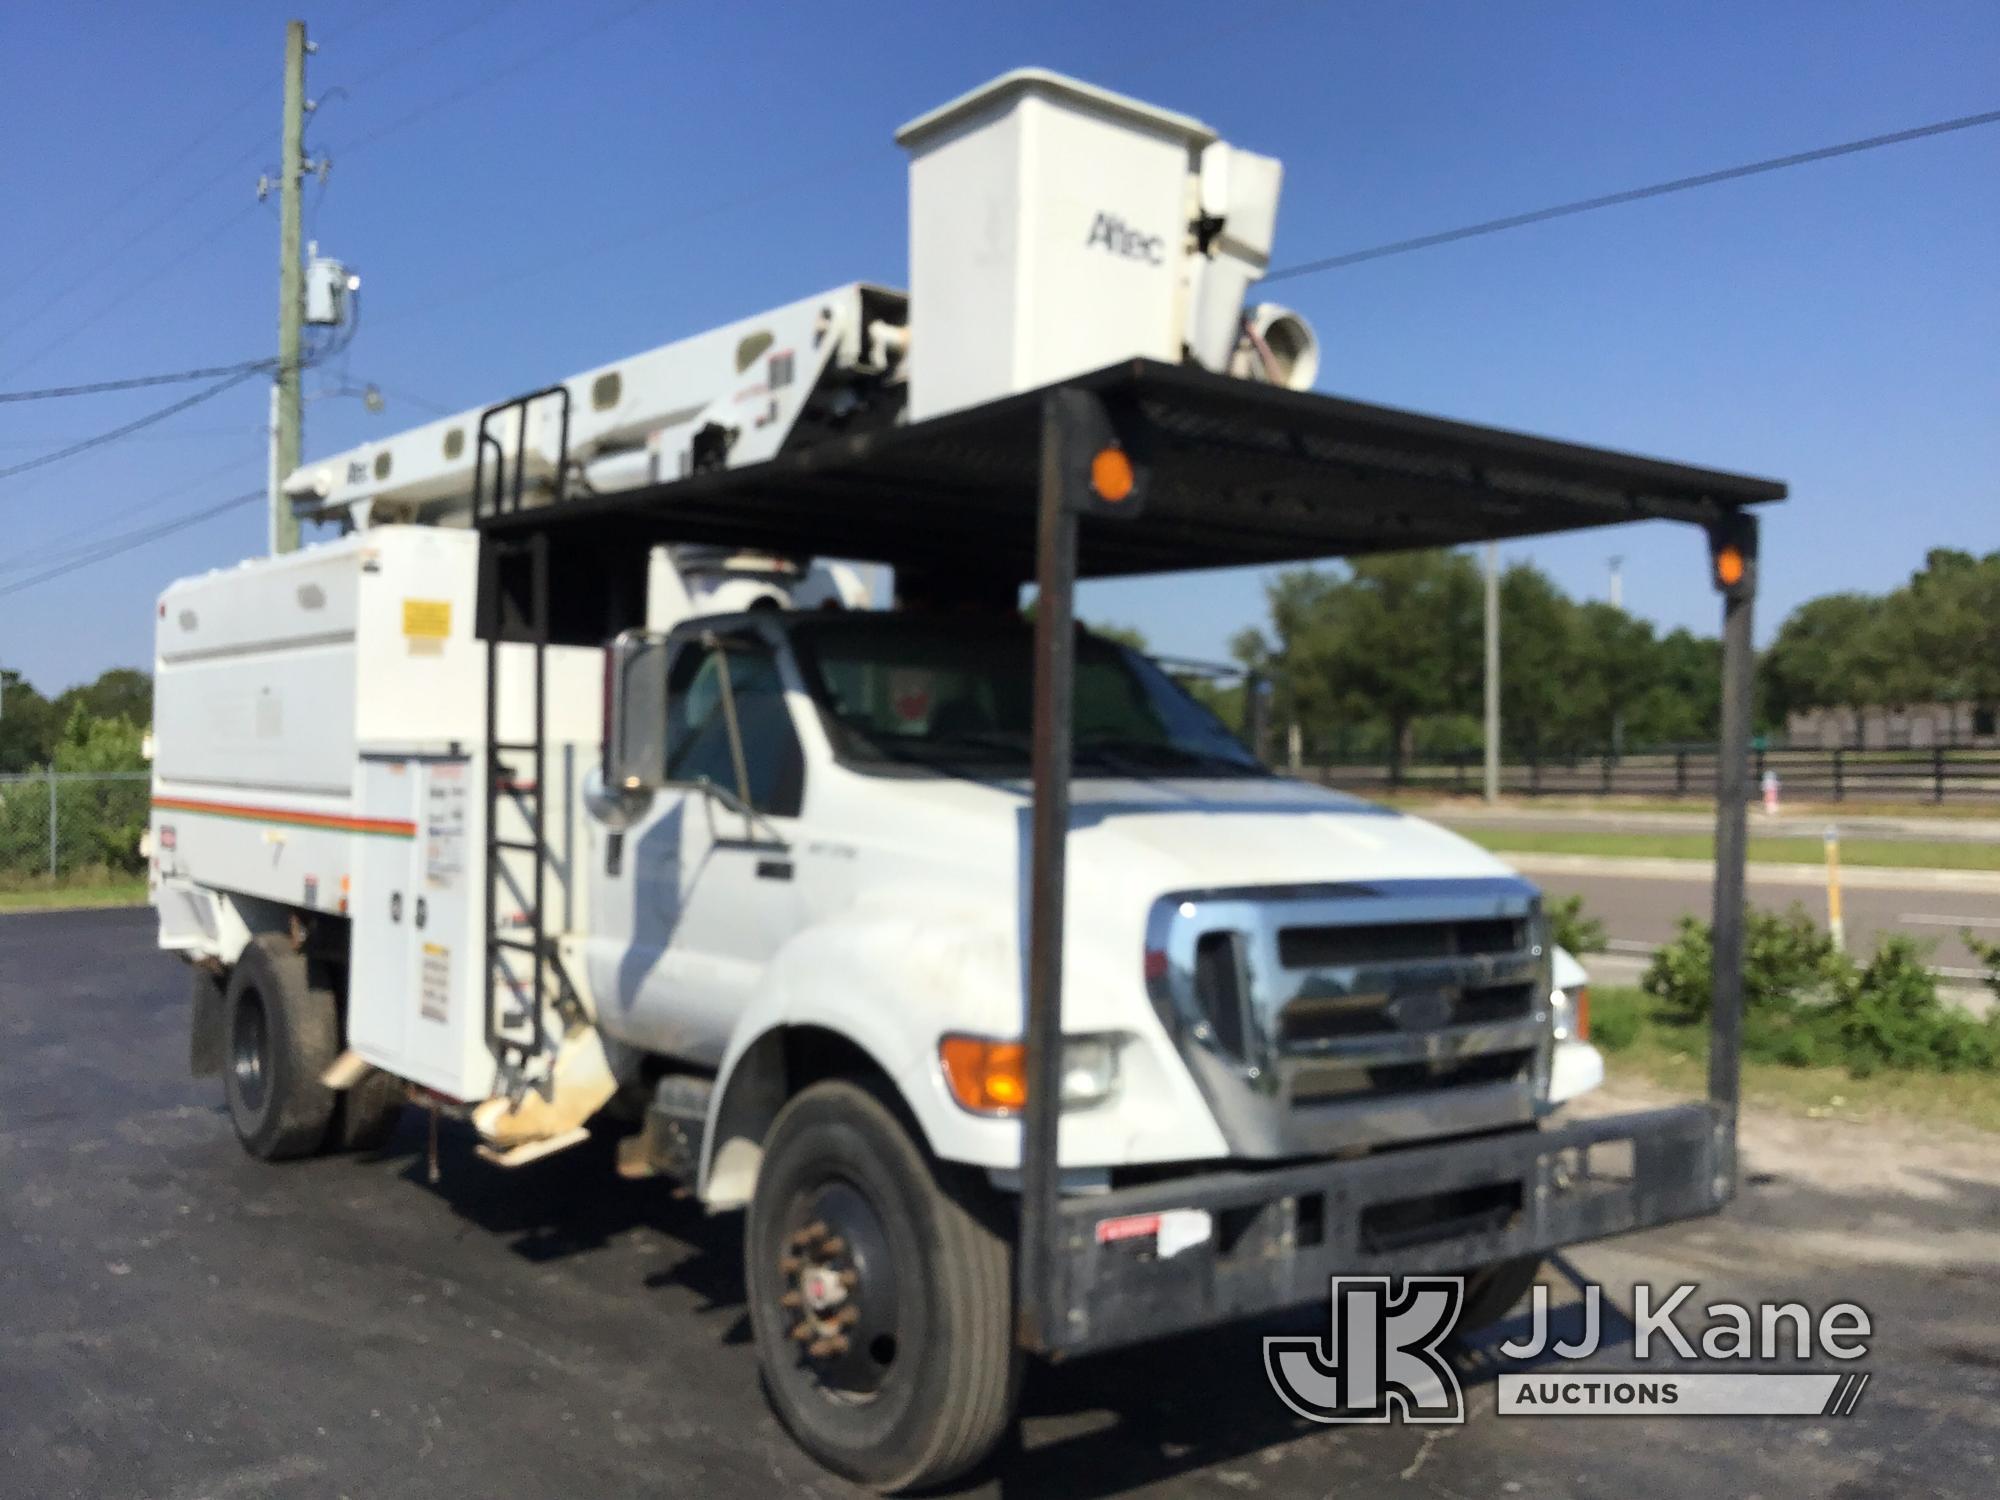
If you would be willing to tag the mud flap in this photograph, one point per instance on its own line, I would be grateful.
(206, 1044)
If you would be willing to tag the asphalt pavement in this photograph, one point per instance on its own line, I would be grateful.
(1640, 910)
(179, 1321)
(1793, 823)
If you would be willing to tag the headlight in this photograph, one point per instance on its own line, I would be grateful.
(1571, 1010)
(1089, 1070)
(989, 1077)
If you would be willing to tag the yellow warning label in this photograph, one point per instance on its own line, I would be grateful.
(427, 619)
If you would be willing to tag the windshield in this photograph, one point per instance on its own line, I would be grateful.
(958, 695)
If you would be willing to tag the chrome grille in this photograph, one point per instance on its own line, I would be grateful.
(1316, 1018)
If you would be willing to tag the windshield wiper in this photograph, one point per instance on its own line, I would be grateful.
(1133, 751)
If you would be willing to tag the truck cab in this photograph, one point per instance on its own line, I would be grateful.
(827, 833)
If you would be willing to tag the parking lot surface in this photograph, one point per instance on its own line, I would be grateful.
(179, 1321)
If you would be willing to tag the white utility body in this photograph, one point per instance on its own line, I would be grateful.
(816, 882)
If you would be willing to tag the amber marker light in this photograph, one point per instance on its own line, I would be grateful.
(1729, 566)
(1111, 474)
(986, 1077)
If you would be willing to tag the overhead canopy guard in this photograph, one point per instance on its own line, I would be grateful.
(1238, 473)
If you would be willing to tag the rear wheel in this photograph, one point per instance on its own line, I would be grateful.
(281, 1032)
(367, 1114)
(880, 1292)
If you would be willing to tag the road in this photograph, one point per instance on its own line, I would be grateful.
(1794, 824)
(1640, 911)
(180, 1321)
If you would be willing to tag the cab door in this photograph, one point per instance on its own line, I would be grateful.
(705, 896)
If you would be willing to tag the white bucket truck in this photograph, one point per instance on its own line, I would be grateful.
(1023, 1009)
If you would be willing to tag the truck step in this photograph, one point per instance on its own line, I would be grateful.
(670, 1142)
(527, 1151)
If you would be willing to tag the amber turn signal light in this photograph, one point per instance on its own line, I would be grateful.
(1111, 474)
(986, 1077)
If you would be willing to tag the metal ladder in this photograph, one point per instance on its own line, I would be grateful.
(517, 1030)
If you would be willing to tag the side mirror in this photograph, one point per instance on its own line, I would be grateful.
(635, 715)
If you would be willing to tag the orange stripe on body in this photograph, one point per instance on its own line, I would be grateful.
(387, 827)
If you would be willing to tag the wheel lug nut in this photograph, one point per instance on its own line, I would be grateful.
(833, 1246)
(791, 1299)
(847, 1317)
(802, 1331)
(824, 1347)
(850, 1279)
(789, 1265)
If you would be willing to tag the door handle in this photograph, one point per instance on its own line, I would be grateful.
(395, 906)
(774, 869)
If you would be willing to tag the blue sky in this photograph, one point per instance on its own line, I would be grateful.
(687, 164)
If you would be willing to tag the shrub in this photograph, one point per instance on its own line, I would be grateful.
(1786, 960)
(1989, 955)
(1806, 1005)
(1888, 1014)
(1573, 928)
(1616, 1018)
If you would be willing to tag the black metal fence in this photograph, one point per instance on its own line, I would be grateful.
(1938, 775)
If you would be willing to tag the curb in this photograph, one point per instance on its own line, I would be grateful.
(1852, 877)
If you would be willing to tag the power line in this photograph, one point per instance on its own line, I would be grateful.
(62, 548)
(1631, 195)
(120, 201)
(334, 346)
(407, 55)
(126, 541)
(486, 80)
(137, 382)
(172, 265)
(179, 435)
(99, 440)
(118, 256)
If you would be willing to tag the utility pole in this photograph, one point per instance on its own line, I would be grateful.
(1617, 583)
(286, 412)
(1492, 671)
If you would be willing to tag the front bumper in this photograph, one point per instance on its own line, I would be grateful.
(1277, 1236)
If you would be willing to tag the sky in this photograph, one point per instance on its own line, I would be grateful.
(530, 189)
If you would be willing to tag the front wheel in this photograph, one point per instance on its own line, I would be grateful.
(880, 1292)
(1492, 1290)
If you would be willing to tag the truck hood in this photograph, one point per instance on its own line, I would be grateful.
(1208, 833)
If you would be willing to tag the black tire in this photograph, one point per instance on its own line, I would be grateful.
(367, 1114)
(925, 1382)
(1491, 1292)
(281, 1033)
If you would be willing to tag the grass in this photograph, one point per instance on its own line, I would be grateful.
(1638, 1039)
(1908, 854)
(40, 894)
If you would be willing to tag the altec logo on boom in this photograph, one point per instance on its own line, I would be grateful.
(1121, 239)
(1382, 1360)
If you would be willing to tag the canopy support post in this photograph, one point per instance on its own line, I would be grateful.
(1733, 562)
(1055, 670)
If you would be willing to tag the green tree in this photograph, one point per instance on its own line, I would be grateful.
(100, 818)
(1391, 639)
(27, 725)
(121, 693)
(1817, 658)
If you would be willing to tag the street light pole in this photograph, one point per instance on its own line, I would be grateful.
(1492, 672)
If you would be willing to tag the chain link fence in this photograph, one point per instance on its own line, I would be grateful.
(72, 827)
